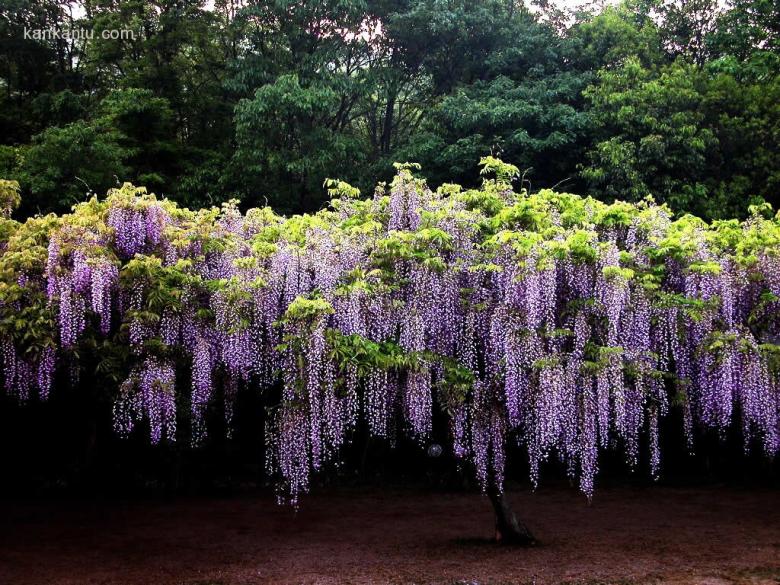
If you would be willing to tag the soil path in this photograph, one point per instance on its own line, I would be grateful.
(713, 536)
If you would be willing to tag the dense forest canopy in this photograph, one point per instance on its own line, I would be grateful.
(264, 100)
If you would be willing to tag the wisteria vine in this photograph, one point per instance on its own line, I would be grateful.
(555, 321)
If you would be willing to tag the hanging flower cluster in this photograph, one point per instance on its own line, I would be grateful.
(149, 394)
(552, 320)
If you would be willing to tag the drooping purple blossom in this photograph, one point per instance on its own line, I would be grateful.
(148, 395)
(569, 355)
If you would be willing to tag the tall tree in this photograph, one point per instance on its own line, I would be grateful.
(686, 26)
(30, 67)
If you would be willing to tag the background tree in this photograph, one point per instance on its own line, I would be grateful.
(653, 139)
(292, 135)
(65, 165)
(686, 26)
(265, 99)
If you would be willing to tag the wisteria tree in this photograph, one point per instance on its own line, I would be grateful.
(555, 322)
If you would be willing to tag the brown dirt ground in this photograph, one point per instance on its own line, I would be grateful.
(712, 536)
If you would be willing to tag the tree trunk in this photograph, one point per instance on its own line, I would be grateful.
(508, 529)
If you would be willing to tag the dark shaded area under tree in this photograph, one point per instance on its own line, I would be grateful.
(356, 536)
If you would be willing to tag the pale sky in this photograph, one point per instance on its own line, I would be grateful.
(78, 11)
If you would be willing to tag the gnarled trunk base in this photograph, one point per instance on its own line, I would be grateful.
(509, 530)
